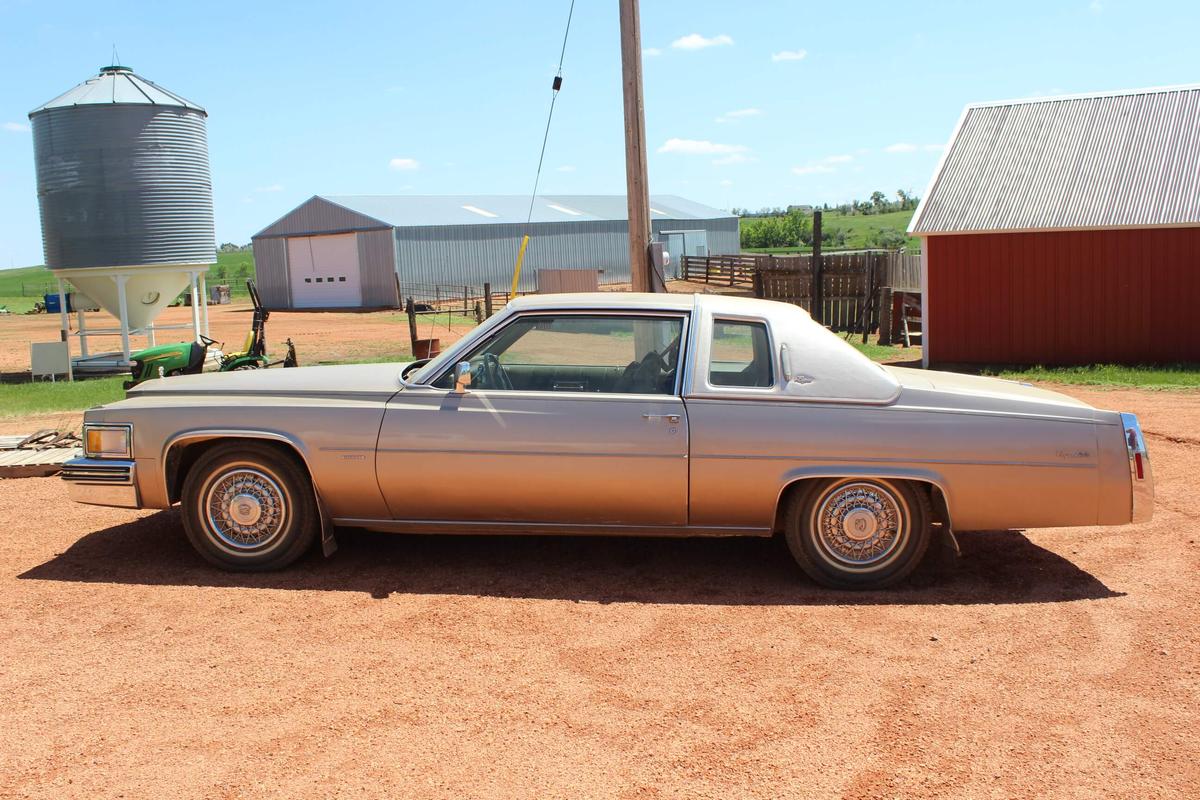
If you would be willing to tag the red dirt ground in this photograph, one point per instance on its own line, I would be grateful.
(1053, 663)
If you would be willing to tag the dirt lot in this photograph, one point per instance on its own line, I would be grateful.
(1052, 663)
(319, 336)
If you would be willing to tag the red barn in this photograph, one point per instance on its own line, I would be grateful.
(1066, 230)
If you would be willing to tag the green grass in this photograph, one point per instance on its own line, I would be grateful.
(882, 352)
(26, 399)
(857, 227)
(1174, 376)
(235, 267)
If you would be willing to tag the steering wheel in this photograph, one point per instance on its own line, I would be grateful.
(493, 374)
(207, 342)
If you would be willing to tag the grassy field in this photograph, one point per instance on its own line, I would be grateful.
(25, 399)
(20, 288)
(1175, 376)
(858, 227)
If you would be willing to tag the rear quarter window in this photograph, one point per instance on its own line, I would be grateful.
(740, 355)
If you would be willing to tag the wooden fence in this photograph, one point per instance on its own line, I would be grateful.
(854, 283)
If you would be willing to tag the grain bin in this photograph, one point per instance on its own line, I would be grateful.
(125, 195)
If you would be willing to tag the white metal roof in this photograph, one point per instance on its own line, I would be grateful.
(117, 86)
(422, 210)
(1113, 159)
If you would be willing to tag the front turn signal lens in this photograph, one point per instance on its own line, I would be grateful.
(107, 441)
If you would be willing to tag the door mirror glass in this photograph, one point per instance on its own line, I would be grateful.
(462, 376)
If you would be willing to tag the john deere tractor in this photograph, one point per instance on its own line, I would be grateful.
(187, 358)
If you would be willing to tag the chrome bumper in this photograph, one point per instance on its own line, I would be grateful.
(1141, 477)
(101, 482)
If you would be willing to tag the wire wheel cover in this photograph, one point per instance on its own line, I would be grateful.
(859, 525)
(245, 508)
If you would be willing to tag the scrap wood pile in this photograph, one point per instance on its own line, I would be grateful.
(37, 455)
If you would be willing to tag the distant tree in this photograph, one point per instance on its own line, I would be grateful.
(879, 201)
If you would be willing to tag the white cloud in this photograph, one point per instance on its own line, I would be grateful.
(741, 113)
(789, 55)
(900, 147)
(732, 158)
(566, 168)
(727, 183)
(16, 127)
(824, 165)
(700, 147)
(651, 52)
(694, 41)
(404, 163)
(274, 187)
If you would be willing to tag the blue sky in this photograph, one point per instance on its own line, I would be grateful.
(748, 104)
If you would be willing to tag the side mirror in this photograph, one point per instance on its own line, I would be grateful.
(462, 377)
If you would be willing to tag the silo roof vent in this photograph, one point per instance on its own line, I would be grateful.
(118, 85)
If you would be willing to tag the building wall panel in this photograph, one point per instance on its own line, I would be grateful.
(1069, 297)
(377, 268)
(271, 272)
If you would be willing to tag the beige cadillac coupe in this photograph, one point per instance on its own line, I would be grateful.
(649, 415)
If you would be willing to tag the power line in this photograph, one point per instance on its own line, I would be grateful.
(553, 97)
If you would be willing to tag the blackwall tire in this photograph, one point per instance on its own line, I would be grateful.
(858, 533)
(249, 506)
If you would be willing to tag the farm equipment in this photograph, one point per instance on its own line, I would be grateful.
(187, 358)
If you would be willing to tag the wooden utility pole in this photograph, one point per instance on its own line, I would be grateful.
(818, 272)
(636, 185)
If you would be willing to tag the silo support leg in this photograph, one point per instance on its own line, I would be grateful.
(204, 302)
(82, 325)
(123, 307)
(195, 308)
(66, 327)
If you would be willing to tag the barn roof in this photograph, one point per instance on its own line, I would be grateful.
(1118, 159)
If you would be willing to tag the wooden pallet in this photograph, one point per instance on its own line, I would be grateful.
(35, 463)
(37, 455)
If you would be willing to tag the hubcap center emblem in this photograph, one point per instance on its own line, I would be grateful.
(860, 525)
(245, 509)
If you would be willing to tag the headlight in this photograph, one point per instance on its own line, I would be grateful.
(108, 441)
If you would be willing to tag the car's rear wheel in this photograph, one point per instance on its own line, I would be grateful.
(249, 506)
(858, 533)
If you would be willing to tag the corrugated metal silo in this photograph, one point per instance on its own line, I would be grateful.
(124, 187)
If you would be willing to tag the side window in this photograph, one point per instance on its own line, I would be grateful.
(615, 354)
(740, 355)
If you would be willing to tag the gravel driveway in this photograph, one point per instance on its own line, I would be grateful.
(1058, 663)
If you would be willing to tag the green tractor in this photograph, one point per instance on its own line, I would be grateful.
(187, 358)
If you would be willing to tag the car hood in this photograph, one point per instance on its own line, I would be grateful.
(977, 392)
(340, 379)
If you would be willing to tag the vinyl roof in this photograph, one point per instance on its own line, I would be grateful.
(420, 210)
(118, 86)
(1118, 159)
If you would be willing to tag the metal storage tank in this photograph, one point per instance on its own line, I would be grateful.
(125, 194)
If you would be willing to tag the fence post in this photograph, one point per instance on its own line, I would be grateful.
(411, 308)
(818, 273)
(707, 268)
(465, 309)
(758, 284)
(487, 300)
(478, 313)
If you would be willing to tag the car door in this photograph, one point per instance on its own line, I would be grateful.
(572, 419)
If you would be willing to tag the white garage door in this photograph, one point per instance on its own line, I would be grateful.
(324, 271)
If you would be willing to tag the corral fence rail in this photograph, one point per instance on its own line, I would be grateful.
(857, 286)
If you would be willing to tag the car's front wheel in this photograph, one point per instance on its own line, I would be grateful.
(858, 533)
(249, 506)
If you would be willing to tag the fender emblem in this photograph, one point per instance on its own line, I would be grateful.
(1074, 454)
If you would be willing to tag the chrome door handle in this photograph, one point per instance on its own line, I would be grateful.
(671, 418)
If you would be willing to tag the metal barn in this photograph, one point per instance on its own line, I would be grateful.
(1066, 230)
(367, 251)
